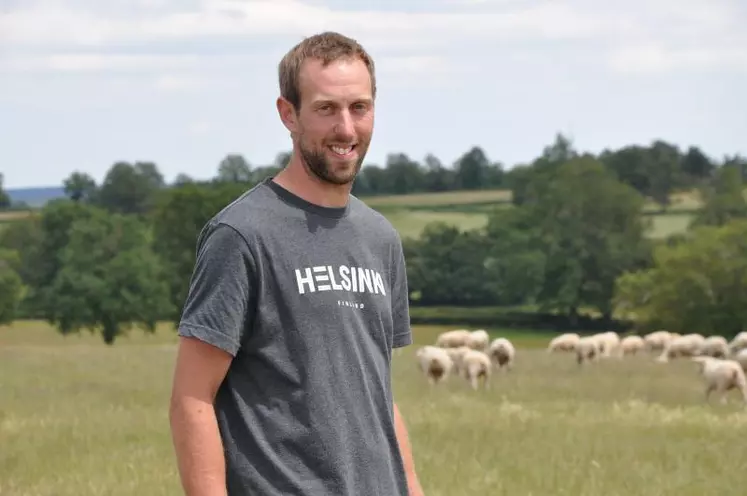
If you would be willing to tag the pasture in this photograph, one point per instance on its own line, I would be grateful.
(77, 417)
(469, 210)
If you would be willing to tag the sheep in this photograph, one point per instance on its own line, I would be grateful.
(722, 375)
(714, 346)
(630, 345)
(681, 346)
(453, 339)
(741, 358)
(457, 357)
(564, 342)
(608, 343)
(587, 349)
(739, 342)
(478, 340)
(502, 353)
(476, 365)
(657, 340)
(434, 362)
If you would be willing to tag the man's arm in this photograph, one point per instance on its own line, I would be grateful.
(413, 484)
(217, 315)
(199, 370)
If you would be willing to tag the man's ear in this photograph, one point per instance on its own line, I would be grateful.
(287, 114)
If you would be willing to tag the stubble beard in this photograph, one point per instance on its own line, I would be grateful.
(317, 163)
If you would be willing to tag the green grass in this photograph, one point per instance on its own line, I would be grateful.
(410, 223)
(79, 418)
(666, 225)
(436, 199)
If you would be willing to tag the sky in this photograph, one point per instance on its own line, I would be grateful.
(183, 83)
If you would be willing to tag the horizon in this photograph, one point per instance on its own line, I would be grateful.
(184, 83)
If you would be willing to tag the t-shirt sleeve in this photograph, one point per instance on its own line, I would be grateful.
(220, 303)
(402, 335)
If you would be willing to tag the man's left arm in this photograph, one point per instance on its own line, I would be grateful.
(402, 336)
(413, 483)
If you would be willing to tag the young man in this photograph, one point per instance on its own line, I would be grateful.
(298, 296)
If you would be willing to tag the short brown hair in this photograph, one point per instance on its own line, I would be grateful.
(327, 47)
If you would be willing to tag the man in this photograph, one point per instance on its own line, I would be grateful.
(299, 294)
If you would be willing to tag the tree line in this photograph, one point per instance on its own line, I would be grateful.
(118, 254)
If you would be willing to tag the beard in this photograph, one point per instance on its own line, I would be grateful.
(317, 162)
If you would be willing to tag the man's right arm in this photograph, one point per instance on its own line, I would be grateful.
(217, 312)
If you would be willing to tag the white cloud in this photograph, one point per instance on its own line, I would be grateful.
(639, 36)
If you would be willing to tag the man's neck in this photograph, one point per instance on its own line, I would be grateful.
(295, 178)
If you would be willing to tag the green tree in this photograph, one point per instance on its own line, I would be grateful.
(591, 230)
(12, 289)
(109, 280)
(696, 285)
(80, 187)
(724, 199)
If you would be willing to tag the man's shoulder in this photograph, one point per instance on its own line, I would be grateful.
(376, 222)
(245, 212)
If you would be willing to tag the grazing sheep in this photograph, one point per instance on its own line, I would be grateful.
(657, 340)
(502, 353)
(739, 342)
(475, 366)
(681, 346)
(587, 349)
(453, 339)
(478, 340)
(434, 362)
(722, 376)
(564, 342)
(630, 345)
(457, 357)
(608, 343)
(715, 346)
(741, 358)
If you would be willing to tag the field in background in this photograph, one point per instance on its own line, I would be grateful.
(469, 210)
(77, 417)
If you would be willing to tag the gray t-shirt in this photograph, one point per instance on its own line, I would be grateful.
(310, 301)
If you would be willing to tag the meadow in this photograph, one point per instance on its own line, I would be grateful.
(469, 210)
(77, 417)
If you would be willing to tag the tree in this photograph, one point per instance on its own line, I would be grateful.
(4, 198)
(696, 285)
(12, 289)
(591, 231)
(109, 280)
(724, 200)
(234, 168)
(80, 187)
(130, 188)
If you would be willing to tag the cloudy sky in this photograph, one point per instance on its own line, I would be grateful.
(85, 83)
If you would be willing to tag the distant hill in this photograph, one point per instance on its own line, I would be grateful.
(35, 197)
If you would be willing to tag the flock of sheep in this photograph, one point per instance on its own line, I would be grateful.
(472, 356)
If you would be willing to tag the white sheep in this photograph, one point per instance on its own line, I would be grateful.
(434, 362)
(741, 358)
(564, 342)
(457, 357)
(587, 349)
(630, 345)
(739, 342)
(453, 339)
(475, 366)
(681, 346)
(478, 340)
(657, 340)
(722, 376)
(502, 353)
(715, 346)
(608, 343)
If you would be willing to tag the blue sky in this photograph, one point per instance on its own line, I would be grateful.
(85, 83)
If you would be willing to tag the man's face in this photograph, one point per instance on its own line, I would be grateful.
(334, 124)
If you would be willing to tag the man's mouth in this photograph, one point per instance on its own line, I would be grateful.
(342, 151)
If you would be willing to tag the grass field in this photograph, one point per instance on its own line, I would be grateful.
(469, 210)
(79, 418)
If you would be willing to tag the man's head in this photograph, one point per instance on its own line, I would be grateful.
(327, 92)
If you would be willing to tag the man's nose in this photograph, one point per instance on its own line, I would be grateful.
(344, 126)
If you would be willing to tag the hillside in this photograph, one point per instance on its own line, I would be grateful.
(35, 197)
(469, 209)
